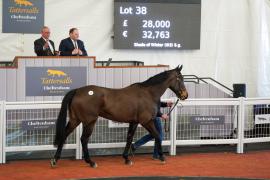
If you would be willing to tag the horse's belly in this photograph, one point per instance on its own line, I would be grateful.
(120, 116)
(120, 108)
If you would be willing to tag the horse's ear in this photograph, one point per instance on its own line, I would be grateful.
(177, 68)
(180, 68)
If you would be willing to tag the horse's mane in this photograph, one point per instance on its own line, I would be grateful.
(157, 79)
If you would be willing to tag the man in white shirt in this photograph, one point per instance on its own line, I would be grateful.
(44, 46)
(72, 46)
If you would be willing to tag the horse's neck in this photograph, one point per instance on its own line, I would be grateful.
(158, 90)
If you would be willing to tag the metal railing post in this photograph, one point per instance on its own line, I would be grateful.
(173, 130)
(4, 121)
(78, 142)
(241, 124)
(1, 130)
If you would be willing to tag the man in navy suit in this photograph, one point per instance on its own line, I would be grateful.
(72, 46)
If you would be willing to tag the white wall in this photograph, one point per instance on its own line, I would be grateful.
(234, 40)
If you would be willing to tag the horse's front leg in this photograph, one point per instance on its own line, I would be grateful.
(131, 130)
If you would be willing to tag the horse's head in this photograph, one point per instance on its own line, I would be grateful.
(177, 83)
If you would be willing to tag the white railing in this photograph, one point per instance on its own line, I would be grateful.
(2, 119)
(254, 133)
(214, 134)
(16, 140)
(238, 127)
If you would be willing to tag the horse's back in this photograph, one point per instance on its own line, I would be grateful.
(123, 105)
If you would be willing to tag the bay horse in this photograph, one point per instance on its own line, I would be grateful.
(133, 104)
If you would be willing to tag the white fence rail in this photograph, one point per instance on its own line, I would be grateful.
(201, 133)
(2, 118)
(232, 121)
(15, 139)
(256, 122)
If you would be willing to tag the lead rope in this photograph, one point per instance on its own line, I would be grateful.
(167, 125)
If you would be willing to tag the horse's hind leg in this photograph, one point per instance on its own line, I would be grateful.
(68, 129)
(150, 127)
(131, 131)
(87, 131)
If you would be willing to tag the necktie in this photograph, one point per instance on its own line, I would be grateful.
(75, 45)
(49, 50)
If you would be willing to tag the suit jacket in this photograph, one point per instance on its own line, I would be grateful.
(66, 47)
(38, 45)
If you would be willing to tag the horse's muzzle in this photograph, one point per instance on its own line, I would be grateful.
(183, 94)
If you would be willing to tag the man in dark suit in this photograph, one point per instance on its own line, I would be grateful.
(43, 46)
(72, 46)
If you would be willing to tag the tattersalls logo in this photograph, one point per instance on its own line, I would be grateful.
(23, 10)
(56, 77)
(53, 80)
(23, 2)
(23, 16)
(52, 72)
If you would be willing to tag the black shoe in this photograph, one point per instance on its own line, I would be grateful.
(162, 159)
(155, 157)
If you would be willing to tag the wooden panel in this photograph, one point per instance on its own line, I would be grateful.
(213, 91)
(3, 81)
(74, 62)
(202, 91)
(151, 72)
(109, 76)
(20, 88)
(134, 75)
(84, 63)
(56, 62)
(159, 70)
(143, 74)
(191, 89)
(92, 77)
(126, 77)
(92, 73)
(11, 85)
(101, 77)
(118, 78)
(65, 62)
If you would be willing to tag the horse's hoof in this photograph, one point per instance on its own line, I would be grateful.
(129, 162)
(93, 165)
(53, 163)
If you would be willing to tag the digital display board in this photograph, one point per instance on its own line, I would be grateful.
(157, 24)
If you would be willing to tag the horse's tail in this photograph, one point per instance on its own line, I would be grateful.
(62, 118)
